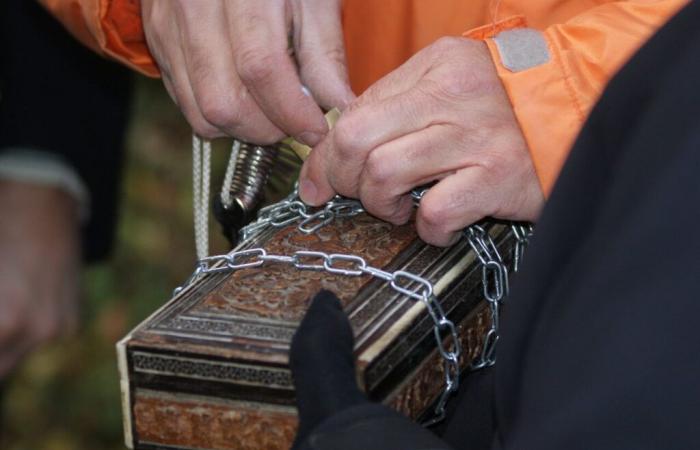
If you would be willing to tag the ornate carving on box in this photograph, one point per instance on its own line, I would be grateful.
(189, 422)
(209, 369)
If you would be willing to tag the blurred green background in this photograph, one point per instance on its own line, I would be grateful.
(66, 395)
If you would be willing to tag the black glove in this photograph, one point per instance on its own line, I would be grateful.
(323, 365)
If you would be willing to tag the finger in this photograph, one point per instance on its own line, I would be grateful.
(259, 39)
(320, 52)
(454, 203)
(394, 168)
(358, 132)
(169, 87)
(314, 187)
(180, 85)
(222, 99)
(161, 25)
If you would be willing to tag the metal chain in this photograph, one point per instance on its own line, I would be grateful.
(494, 276)
(309, 220)
(292, 209)
(522, 233)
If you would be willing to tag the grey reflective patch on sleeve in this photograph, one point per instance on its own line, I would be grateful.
(522, 49)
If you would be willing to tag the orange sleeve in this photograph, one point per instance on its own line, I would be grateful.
(110, 27)
(551, 101)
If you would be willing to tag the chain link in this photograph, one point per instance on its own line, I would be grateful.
(494, 276)
(523, 233)
(292, 210)
(309, 220)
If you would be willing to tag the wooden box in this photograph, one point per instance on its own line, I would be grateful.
(209, 369)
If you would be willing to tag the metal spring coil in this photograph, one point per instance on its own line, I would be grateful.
(253, 167)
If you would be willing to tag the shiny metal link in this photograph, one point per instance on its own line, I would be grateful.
(356, 261)
(495, 287)
(297, 260)
(401, 281)
(522, 233)
(293, 210)
(316, 221)
(450, 357)
(246, 258)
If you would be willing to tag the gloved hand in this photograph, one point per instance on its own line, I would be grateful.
(323, 364)
(333, 413)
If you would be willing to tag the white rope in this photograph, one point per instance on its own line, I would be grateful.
(226, 199)
(201, 167)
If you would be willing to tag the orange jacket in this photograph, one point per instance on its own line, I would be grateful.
(588, 40)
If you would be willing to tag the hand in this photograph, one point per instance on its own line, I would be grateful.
(443, 116)
(323, 364)
(227, 65)
(39, 268)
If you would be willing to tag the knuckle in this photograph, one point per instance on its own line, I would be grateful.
(344, 139)
(379, 170)
(203, 129)
(383, 206)
(447, 44)
(255, 65)
(435, 215)
(335, 54)
(459, 82)
(217, 110)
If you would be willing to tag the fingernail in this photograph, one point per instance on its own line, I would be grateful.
(309, 138)
(307, 191)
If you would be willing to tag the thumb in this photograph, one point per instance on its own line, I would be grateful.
(320, 52)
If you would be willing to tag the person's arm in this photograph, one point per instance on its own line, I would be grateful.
(553, 92)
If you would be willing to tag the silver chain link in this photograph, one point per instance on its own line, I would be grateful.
(292, 210)
(309, 220)
(522, 233)
(494, 276)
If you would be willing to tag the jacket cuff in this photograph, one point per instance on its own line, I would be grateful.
(123, 36)
(109, 27)
(538, 88)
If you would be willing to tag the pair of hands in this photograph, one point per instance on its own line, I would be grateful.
(39, 268)
(441, 117)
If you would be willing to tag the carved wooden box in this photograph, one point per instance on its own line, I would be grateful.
(209, 369)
